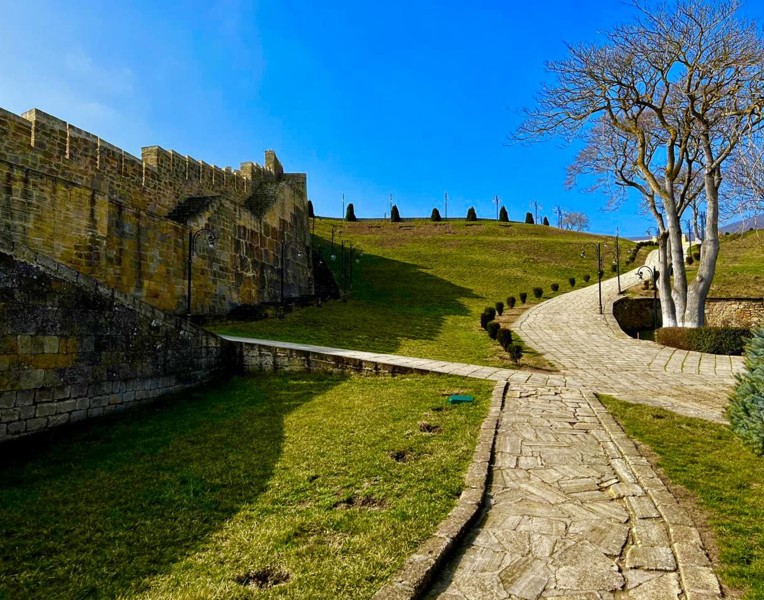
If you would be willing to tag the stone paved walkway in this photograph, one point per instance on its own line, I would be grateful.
(575, 512)
(595, 353)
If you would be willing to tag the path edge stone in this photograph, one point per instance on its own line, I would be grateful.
(414, 577)
(698, 578)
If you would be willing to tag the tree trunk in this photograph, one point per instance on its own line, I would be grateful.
(709, 252)
(679, 287)
(668, 311)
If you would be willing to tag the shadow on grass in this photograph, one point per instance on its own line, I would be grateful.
(388, 301)
(94, 511)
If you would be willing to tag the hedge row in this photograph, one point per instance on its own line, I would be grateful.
(713, 340)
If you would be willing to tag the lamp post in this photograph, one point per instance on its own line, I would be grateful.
(599, 269)
(654, 278)
(617, 260)
(652, 235)
(284, 245)
(192, 237)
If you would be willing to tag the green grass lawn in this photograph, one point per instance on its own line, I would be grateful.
(420, 286)
(725, 477)
(186, 498)
(740, 270)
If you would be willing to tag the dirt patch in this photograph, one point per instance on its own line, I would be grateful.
(426, 427)
(401, 456)
(263, 579)
(354, 501)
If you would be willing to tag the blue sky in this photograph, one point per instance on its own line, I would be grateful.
(406, 98)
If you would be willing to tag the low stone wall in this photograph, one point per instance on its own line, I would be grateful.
(71, 348)
(735, 312)
(636, 314)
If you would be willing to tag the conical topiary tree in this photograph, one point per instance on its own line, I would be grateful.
(350, 213)
(546, 221)
(746, 409)
(395, 216)
(471, 214)
(503, 215)
(435, 216)
(529, 218)
(311, 213)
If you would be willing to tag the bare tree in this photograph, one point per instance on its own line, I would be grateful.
(663, 106)
(575, 221)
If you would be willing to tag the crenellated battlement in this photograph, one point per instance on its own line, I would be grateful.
(71, 195)
(154, 182)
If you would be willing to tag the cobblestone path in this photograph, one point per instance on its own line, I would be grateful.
(575, 512)
(593, 351)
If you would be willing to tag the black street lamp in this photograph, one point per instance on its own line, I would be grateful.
(654, 278)
(650, 230)
(192, 237)
(617, 260)
(599, 268)
(284, 245)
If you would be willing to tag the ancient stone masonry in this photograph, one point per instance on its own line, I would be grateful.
(67, 194)
(71, 348)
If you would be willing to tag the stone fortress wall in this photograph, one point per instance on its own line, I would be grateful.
(125, 221)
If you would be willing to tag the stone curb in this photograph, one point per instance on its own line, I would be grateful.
(414, 576)
(699, 581)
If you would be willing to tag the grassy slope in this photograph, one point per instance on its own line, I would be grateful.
(740, 270)
(177, 499)
(724, 475)
(420, 286)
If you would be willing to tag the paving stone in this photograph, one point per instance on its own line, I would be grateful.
(663, 587)
(526, 578)
(584, 567)
(653, 558)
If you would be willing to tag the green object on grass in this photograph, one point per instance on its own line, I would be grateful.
(456, 399)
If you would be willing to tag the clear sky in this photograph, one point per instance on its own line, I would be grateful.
(409, 98)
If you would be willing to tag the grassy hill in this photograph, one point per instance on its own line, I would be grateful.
(740, 270)
(419, 287)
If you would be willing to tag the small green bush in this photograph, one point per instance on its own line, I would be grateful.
(515, 352)
(490, 311)
(485, 318)
(572, 281)
(538, 292)
(746, 409)
(696, 255)
(504, 337)
(435, 216)
(529, 218)
(499, 307)
(689, 260)
(587, 277)
(471, 214)
(350, 213)
(523, 297)
(614, 267)
(713, 340)
(395, 215)
(511, 301)
(555, 287)
(493, 329)
(503, 215)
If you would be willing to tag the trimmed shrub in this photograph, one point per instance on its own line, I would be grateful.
(600, 274)
(471, 214)
(499, 307)
(713, 340)
(689, 260)
(587, 277)
(484, 319)
(493, 329)
(491, 311)
(746, 409)
(395, 215)
(529, 218)
(696, 255)
(572, 281)
(435, 216)
(311, 212)
(546, 221)
(523, 297)
(350, 213)
(503, 215)
(555, 287)
(538, 292)
(515, 352)
(511, 301)
(504, 337)
(614, 267)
